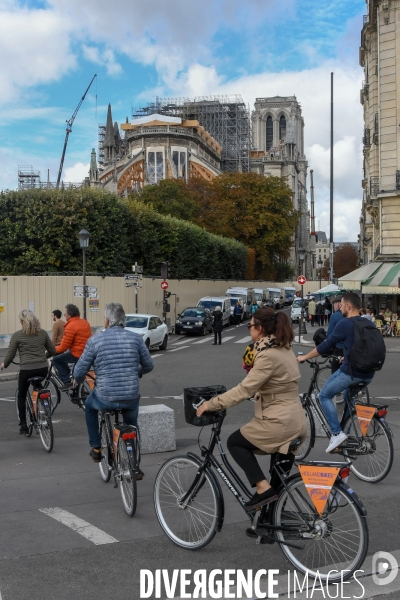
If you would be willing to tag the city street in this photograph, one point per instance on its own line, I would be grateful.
(42, 558)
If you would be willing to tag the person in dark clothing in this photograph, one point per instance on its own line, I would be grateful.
(217, 324)
(347, 373)
(237, 312)
(319, 311)
(327, 310)
(335, 318)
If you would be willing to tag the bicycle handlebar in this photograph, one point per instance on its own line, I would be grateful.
(320, 362)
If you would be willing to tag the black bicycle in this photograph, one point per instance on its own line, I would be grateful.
(190, 505)
(120, 455)
(369, 449)
(77, 395)
(38, 413)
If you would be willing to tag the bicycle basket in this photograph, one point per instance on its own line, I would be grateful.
(193, 396)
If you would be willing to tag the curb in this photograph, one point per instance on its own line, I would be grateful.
(9, 377)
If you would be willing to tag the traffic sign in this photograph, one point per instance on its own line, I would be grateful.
(164, 285)
(135, 284)
(89, 289)
(132, 277)
(301, 280)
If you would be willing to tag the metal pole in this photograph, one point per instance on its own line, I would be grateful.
(136, 301)
(84, 280)
(331, 189)
(302, 313)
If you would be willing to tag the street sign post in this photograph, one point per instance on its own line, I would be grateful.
(164, 285)
(301, 280)
(85, 291)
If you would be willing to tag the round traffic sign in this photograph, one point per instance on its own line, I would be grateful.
(301, 280)
(164, 285)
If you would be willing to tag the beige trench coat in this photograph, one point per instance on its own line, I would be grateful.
(279, 417)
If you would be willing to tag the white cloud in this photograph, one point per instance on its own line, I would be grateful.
(105, 58)
(76, 173)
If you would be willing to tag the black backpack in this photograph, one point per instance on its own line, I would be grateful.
(369, 351)
(319, 336)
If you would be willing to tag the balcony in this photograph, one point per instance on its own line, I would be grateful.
(374, 186)
(365, 88)
(367, 138)
(397, 180)
(365, 20)
(376, 129)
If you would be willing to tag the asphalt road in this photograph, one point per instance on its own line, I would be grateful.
(42, 559)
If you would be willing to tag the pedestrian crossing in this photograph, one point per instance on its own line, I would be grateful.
(193, 341)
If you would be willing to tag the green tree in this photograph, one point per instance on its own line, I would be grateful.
(171, 197)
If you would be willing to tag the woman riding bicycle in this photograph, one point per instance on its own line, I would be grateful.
(30, 342)
(279, 417)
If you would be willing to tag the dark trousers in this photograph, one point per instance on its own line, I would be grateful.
(23, 387)
(217, 333)
(242, 452)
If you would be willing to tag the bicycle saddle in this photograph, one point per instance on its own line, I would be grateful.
(358, 386)
(294, 444)
(35, 379)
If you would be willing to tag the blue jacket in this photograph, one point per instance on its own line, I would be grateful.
(116, 354)
(343, 332)
(335, 318)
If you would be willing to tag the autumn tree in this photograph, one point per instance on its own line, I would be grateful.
(255, 210)
(345, 260)
(171, 197)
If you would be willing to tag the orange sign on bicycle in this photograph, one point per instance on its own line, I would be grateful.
(364, 414)
(90, 379)
(34, 401)
(116, 434)
(319, 482)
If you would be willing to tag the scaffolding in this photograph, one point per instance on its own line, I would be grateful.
(28, 178)
(102, 134)
(226, 118)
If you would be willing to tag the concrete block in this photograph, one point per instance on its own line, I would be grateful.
(157, 429)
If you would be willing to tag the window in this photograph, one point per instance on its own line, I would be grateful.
(155, 166)
(179, 160)
(270, 133)
(282, 127)
(159, 322)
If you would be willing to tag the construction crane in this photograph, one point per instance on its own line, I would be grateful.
(68, 131)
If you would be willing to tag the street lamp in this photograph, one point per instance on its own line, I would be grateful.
(302, 325)
(320, 263)
(83, 236)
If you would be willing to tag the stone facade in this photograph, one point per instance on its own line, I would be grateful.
(380, 97)
(278, 142)
(153, 148)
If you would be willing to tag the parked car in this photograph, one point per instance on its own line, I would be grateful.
(295, 313)
(211, 302)
(152, 329)
(289, 299)
(194, 320)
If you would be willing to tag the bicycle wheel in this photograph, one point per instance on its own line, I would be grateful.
(322, 378)
(83, 391)
(45, 425)
(127, 476)
(55, 393)
(191, 525)
(373, 458)
(105, 464)
(308, 443)
(29, 415)
(340, 535)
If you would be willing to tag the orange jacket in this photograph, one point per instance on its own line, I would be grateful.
(76, 333)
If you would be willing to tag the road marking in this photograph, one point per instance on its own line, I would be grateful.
(388, 397)
(205, 339)
(244, 340)
(180, 348)
(181, 342)
(85, 529)
(169, 397)
(7, 400)
(155, 355)
(230, 337)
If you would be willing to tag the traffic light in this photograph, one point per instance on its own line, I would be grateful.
(167, 294)
(164, 269)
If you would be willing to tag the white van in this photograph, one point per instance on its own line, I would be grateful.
(247, 296)
(259, 294)
(290, 294)
(277, 297)
(211, 302)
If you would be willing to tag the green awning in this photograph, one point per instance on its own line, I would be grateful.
(385, 281)
(355, 279)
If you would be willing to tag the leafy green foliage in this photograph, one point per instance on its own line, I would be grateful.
(38, 232)
(170, 197)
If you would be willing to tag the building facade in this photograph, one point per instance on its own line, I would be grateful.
(278, 142)
(380, 97)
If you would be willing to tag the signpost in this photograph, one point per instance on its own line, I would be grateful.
(135, 281)
(85, 291)
(301, 280)
(164, 285)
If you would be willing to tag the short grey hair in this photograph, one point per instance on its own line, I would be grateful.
(115, 313)
(217, 308)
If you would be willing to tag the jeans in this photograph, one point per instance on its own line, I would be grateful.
(61, 364)
(92, 406)
(337, 383)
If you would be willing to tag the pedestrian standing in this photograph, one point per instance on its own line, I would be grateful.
(312, 307)
(327, 310)
(335, 318)
(320, 313)
(58, 327)
(237, 312)
(217, 325)
(254, 307)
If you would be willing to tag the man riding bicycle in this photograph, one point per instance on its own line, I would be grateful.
(347, 374)
(76, 333)
(116, 355)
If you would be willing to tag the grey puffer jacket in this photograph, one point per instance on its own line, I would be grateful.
(116, 354)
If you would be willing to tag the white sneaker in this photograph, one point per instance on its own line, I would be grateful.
(335, 441)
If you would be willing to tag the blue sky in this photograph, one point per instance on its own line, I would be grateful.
(51, 50)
